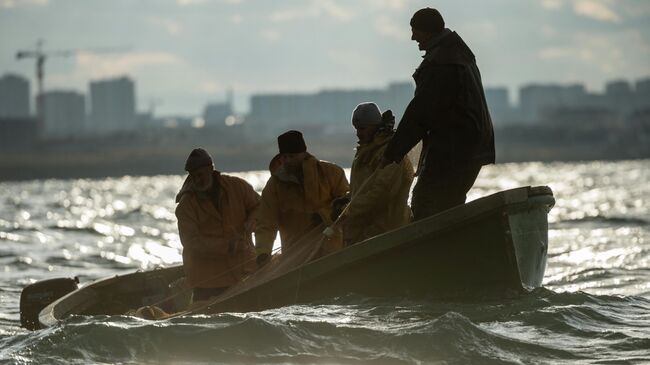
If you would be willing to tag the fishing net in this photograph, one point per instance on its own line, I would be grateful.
(310, 246)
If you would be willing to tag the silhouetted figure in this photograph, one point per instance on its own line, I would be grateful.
(297, 198)
(448, 113)
(216, 215)
(380, 194)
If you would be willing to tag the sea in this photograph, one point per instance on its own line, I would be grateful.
(593, 308)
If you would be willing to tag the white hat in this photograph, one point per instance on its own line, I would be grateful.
(366, 114)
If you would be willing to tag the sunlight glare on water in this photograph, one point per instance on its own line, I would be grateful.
(594, 306)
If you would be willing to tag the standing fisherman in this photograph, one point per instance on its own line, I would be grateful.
(449, 114)
(216, 215)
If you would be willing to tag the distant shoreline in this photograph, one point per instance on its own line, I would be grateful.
(144, 161)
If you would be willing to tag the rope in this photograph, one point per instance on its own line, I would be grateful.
(229, 271)
(329, 231)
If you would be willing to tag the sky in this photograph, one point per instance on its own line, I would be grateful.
(186, 53)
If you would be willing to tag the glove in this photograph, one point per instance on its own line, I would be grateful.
(338, 205)
(388, 120)
(262, 259)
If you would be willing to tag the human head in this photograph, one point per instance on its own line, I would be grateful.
(366, 119)
(200, 166)
(292, 149)
(426, 23)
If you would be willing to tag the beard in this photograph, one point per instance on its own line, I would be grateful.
(203, 187)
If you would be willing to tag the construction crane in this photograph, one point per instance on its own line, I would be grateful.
(40, 55)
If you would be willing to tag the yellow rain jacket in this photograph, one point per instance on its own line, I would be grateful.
(295, 207)
(381, 205)
(217, 252)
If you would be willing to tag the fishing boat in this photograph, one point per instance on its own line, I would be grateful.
(495, 244)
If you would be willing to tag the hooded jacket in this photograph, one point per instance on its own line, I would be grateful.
(295, 206)
(381, 205)
(217, 252)
(448, 113)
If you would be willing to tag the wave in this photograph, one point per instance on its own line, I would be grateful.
(541, 327)
(602, 220)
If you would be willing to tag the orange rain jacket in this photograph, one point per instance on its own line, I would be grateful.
(294, 207)
(381, 205)
(217, 252)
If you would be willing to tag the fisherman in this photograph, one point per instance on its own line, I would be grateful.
(297, 197)
(448, 113)
(216, 215)
(379, 194)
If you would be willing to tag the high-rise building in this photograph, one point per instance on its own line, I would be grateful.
(498, 105)
(64, 114)
(14, 96)
(642, 94)
(112, 106)
(536, 101)
(215, 114)
(329, 110)
(619, 96)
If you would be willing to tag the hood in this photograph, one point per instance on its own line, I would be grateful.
(366, 152)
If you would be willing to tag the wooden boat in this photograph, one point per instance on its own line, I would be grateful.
(491, 244)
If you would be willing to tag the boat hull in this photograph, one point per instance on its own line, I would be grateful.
(492, 245)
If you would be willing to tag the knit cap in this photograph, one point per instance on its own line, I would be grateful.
(198, 158)
(366, 114)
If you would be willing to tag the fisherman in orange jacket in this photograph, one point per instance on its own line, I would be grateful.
(297, 197)
(216, 215)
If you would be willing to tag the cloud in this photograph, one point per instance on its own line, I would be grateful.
(210, 87)
(170, 26)
(335, 11)
(190, 2)
(315, 9)
(387, 26)
(637, 9)
(351, 58)
(386, 4)
(199, 2)
(552, 4)
(15, 3)
(270, 34)
(607, 53)
(97, 66)
(596, 10)
(483, 31)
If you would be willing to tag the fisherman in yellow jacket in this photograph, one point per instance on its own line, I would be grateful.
(216, 215)
(381, 204)
(297, 197)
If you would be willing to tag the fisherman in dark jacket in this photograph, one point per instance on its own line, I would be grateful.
(448, 114)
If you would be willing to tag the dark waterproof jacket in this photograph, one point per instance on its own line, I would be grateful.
(448, 112)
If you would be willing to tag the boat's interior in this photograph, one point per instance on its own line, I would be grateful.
(163, 288)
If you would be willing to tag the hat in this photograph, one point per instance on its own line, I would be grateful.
(291, 142)
(366, 114)
(198, 158)
(428, 20)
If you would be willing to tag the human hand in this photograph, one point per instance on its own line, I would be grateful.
(337, 206)
(262, 259)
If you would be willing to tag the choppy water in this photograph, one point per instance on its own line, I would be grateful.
(594, 308)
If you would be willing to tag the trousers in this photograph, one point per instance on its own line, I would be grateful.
(435, 192)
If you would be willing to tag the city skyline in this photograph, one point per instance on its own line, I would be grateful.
(188, 53)
(109, 107)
